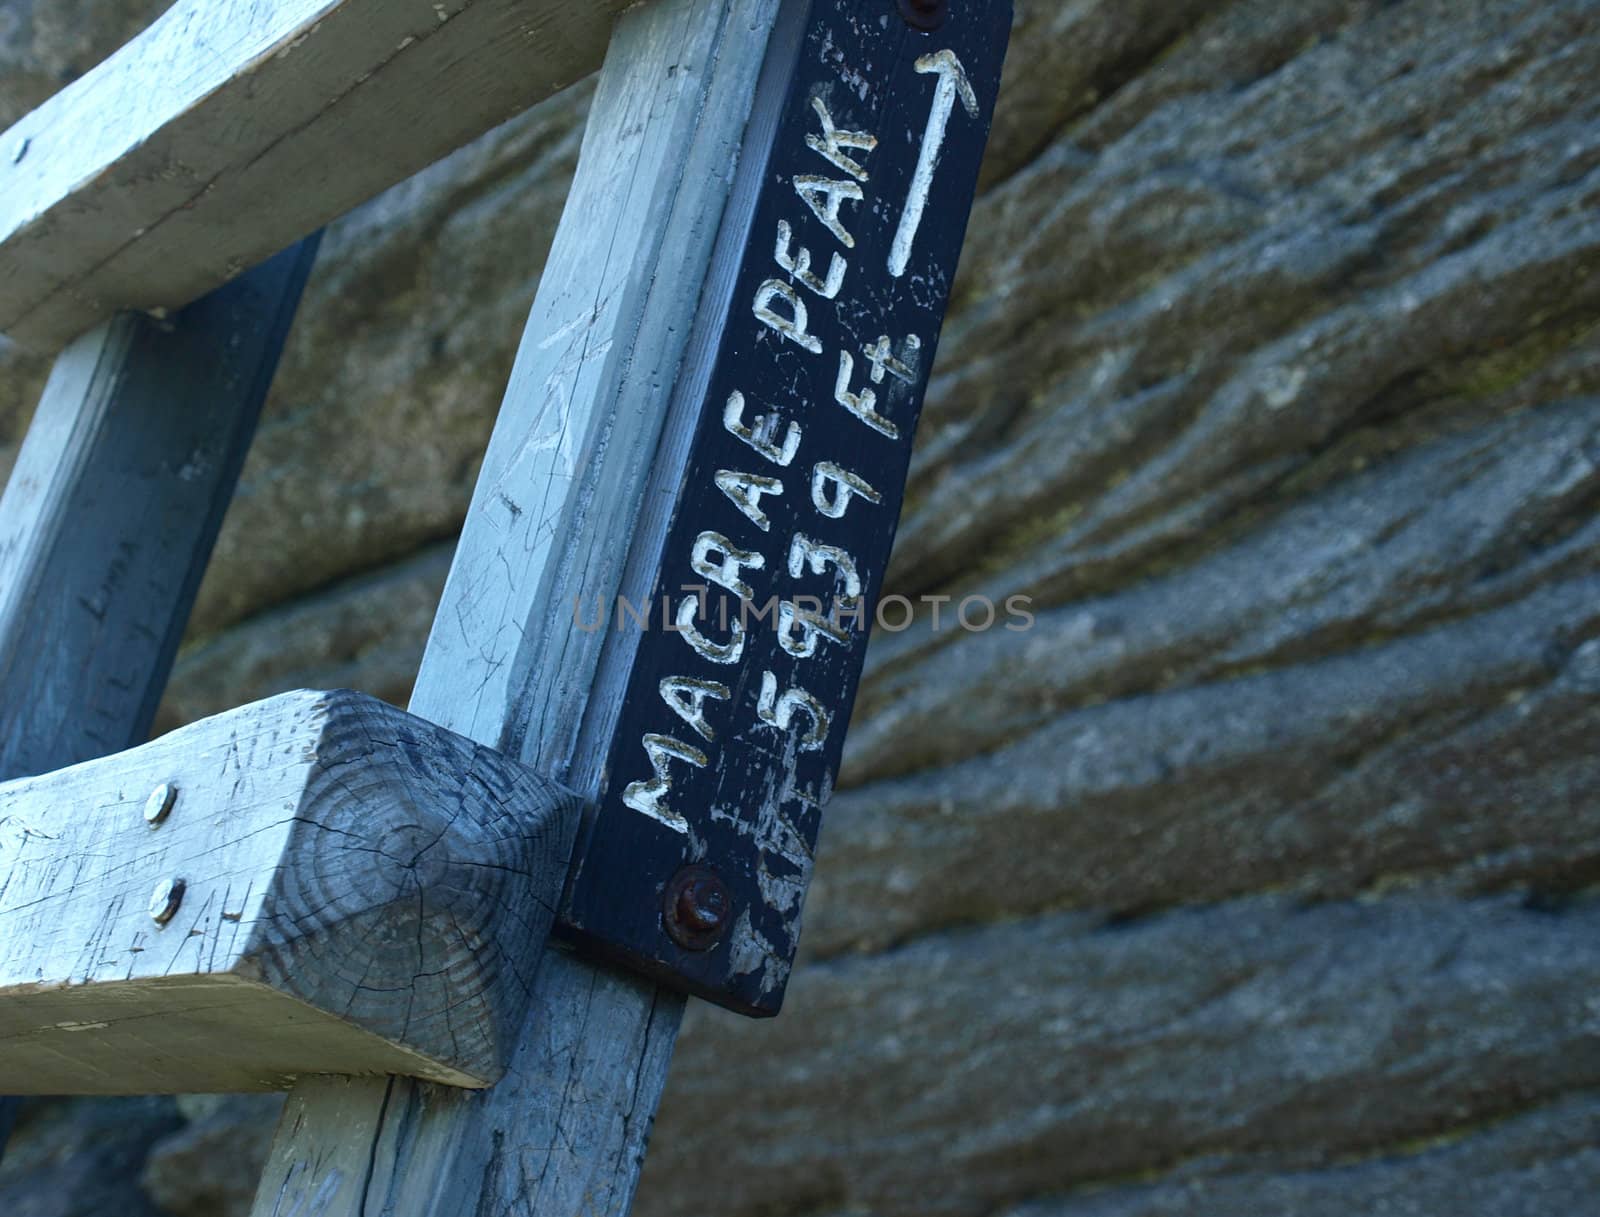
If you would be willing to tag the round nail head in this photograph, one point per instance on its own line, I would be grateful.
(696, 908)
(159, 805)
(164, 901)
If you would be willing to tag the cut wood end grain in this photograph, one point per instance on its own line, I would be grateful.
(359, 891)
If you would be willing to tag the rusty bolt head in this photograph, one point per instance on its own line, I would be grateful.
(926, 15)
(159, 805)
(696, 908)
(164, 901)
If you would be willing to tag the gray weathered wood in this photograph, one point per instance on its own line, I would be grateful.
(363, 893)
(226, 131)
(557, 503)
(134, 454)
(108, 519)
(340, 1109)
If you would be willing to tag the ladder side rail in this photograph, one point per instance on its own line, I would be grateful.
(508, 664)
(112, 508)
(109, 517)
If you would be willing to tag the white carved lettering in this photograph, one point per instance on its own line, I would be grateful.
(650, 797)
(881, 356)
(825, 196)
(746, 491)
(779, 712)
(800, 627)
(760, 437)
(730, 652)
(798, 264)
(831, 144)
(803, 552)
(727, 567)
(849, 485)
(688, 698)
(792, 327)
(863, 404)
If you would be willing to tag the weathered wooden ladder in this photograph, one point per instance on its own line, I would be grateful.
(708, 427)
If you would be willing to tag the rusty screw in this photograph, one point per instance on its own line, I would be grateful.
(164, 901)
(696, 908)
(925, 14)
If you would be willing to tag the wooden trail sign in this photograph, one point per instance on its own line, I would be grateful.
(736, 649)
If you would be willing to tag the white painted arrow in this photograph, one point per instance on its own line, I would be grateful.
(953, 83)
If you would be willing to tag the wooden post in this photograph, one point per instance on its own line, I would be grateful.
(109, 517)
(112, 508)
(556, 508)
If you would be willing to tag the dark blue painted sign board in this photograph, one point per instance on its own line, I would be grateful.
(815, 347)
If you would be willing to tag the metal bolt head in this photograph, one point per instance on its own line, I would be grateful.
(702, 905)
(696, 908)
(159, 805)
(926, 15)
(164, 901)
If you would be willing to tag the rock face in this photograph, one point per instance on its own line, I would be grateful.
(84, 1159)
(1256, 876)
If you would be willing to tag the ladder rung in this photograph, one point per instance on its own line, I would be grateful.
(227, 131)
(318, 883)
